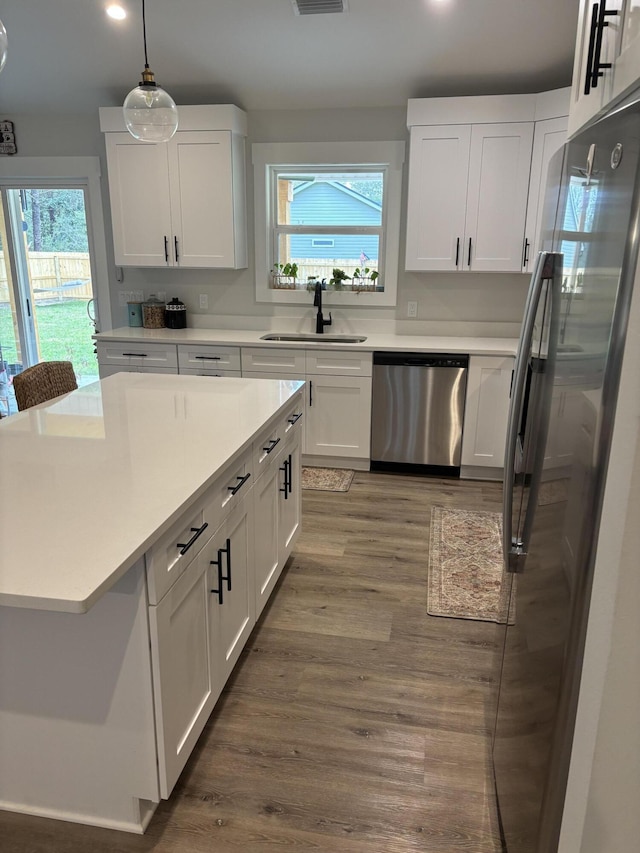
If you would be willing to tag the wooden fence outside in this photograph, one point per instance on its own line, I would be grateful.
(55, 276)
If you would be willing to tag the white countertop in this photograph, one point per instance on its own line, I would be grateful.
(376, 341)
(89, 481)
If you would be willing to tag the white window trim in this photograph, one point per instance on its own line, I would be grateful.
(83, 172)
(294, 154)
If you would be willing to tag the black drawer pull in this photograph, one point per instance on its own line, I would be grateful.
(235, 489)
(272, 444)
(294, 418)
(208, 357)
(197, 531)
(134, 354)
(286, 469)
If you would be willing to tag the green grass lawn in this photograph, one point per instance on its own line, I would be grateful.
(64, 332)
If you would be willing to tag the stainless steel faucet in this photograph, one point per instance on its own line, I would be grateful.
(317, 303)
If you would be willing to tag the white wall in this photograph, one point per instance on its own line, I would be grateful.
(447, 303)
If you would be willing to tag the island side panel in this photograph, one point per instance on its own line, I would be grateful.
(76, 711)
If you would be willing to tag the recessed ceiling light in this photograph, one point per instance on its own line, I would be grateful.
(116, 11)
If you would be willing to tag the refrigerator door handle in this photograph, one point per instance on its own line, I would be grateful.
(514, 548)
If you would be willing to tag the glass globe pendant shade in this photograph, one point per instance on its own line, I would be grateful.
(3, 45)
(150, 113)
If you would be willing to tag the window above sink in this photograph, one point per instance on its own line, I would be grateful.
(326, 206)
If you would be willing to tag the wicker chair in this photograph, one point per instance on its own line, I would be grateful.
(43, 382)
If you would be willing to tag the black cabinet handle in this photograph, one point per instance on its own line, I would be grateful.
(235, 489)
(226, 550)
(595, 68)
(197, 531)
(208, 357)
(273, 443)
(457, 251)
(525, 253)
(294, 418)
(310, 393)
(469, 254)
(286, 468)
(134, 354)
(166, 249)
(221, 578)
(290, 460)
(591, 49)
(175, 245)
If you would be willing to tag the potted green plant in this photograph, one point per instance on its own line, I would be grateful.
(338, 279)
(364, 279)
(284, 275)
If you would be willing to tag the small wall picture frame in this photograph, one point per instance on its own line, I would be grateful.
(7, 138)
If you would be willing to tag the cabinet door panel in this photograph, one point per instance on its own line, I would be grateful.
(182, 675)
(139, 193)
(266, 560)
(339, 416)
(438, 171)
(549, 137)
(486, 411)
(290, 510)
(236, 615)
(202, 198)
(499, 167)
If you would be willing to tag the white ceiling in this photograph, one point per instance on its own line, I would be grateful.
(67, 57)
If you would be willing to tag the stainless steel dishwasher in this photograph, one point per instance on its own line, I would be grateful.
(417, 412)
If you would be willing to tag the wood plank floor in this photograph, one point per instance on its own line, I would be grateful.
(354, 722)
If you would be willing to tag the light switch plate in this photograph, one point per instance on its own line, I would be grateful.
(412, 309)
(204, 301)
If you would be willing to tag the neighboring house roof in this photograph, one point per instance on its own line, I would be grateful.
(342, 188)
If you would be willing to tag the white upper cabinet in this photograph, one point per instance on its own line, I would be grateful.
(179, 203)
(549, 136)
(468, 183)
(438, 173)
(607, 59)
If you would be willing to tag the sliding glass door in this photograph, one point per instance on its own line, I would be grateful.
(46, 283)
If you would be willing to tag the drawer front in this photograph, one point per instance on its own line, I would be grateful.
(339, 363)
(293, 420)
(105, 370)
(228, 490)
(137, 354)
(205, 371)
(168, 558)
(206, 358)
(273, 360)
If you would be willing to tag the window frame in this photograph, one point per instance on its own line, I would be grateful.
(271, 157)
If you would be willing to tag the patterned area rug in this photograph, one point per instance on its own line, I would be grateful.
(326, 479)
(465, 566)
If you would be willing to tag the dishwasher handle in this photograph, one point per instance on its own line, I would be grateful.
(417, 359)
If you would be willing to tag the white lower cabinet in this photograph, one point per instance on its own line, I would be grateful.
(278, 509)
(338, 402)
(231, 590)
(203, 607)
(486, 413)
(185, 688)
(339, 423)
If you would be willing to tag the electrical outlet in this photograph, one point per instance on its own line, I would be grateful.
(412, 309)
(204, 301)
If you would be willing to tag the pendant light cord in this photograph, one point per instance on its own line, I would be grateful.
(144, 36)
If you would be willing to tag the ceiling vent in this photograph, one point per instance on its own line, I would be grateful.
(318, 7)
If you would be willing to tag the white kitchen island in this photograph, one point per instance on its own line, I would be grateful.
(127, 509)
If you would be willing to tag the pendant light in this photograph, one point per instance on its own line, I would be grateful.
(150, 113)
(3, 45)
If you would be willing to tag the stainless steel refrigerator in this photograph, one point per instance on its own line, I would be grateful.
(563, 405)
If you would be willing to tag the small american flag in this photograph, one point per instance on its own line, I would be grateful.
(363, 257)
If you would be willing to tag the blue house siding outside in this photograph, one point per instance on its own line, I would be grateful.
(326, 203)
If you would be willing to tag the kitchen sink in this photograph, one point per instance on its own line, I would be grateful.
(310, 338)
